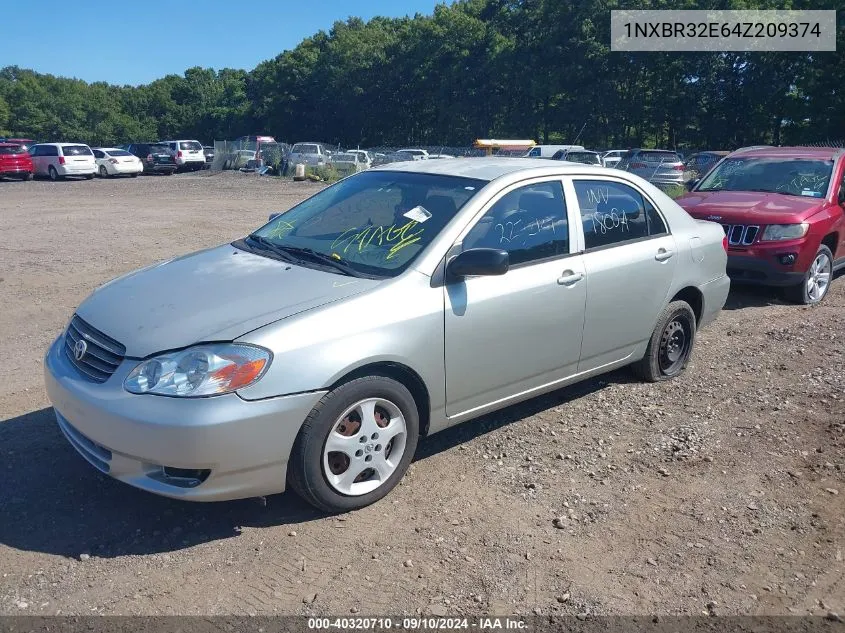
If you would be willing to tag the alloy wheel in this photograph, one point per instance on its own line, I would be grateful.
(818, 278)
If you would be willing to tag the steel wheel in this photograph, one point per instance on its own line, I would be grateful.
(364, 447)
(675, 344)
(818, 278)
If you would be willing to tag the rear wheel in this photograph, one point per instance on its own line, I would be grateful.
(355, 445)
(53, 174)
(103, 171)
(670, 347)
(134, 175)
(26, 177)
(816, 282)
(89, 176)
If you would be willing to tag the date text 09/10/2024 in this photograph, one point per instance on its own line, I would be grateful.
(417, 623)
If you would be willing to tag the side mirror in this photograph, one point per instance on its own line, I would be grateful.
(479, 261)
(691, 183)
(273, 216)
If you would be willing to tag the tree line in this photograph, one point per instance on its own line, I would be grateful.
(539, 69)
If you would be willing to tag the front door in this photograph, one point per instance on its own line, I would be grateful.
(507, 335)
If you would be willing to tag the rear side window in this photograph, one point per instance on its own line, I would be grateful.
(190, 145)
(98, 153)
(76, 150)
(49, 150)
(613, 213)
(15, 149)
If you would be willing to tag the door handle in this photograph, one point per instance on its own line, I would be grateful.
(569, 278)
(663, 254)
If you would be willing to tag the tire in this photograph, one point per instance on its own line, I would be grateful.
(53, 174)
(26, 177)
(170, 173)
(89, 176)
(317, 474)
(134, 175)
(104, 173)
(813, 288)
(670, 347)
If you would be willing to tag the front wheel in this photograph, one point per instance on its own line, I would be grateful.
(816, 282)
(670, 347)
(355, 445)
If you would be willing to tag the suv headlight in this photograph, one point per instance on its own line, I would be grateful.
(775, 232)
(203, 370)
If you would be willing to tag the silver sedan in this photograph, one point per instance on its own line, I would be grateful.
(398, 302)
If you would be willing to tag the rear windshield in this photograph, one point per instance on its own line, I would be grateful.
(657, 157)
(159, 149)
(190, 145)
(15, 149)
(305, 149)
(118, 152)
(587, 158)
(76, 150)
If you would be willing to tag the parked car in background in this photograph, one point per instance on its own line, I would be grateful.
(26, 143)
(310, 153)
(660, 167)
(112, 161)
(414, 154)
(157, 158)
(15, 162)
(237, 370)
(347, 163)
(208, 151)
(59, 160)
(783, 212)
(698, 164)
(439, 156)
(547, 151)
(584, 156)
(188, 154)
(363, 156)
(240, 159)
(612, 157)
(245, 148)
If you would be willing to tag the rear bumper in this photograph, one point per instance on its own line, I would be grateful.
(715, 293)
(15, 171)
(160, 169)
(73, 170)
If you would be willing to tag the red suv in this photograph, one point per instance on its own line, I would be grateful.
(15, 161)
(783, 211)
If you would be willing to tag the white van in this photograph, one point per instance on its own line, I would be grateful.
(547, 151)
(188, 153)
(57, 160)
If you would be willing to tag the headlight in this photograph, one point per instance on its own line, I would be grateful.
(204, 370)
(775, 232)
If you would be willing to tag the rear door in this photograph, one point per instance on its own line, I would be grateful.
(629, 261)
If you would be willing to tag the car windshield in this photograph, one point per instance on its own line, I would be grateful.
(348, 158)
(789, 176)
(375, 223)
(76, 150)
(12, 149)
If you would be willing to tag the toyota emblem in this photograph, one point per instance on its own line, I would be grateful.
(79, 349)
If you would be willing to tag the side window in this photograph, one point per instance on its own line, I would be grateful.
(613, 213)
(35, 151)
(98, 154)
(534, 153)
(529, 223)
(51, 150)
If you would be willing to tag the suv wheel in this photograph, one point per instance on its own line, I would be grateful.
(355, 445)
(817, 280)
(670, 347)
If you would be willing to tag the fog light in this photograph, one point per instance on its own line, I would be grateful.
(788, 259)
(180, 477)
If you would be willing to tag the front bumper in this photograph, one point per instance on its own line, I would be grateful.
(761, 265)
(244, 445)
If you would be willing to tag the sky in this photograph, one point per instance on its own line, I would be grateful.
(135, 42)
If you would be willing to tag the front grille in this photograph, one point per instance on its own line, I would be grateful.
(102, 354)
(740, 234)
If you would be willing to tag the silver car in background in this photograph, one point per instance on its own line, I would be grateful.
(660, 167)
(400, 301)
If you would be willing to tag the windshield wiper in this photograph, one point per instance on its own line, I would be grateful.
(322, 258)
(783, 193)
(271, 246)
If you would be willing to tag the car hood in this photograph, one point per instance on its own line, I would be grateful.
(216, 294)
(748, 207)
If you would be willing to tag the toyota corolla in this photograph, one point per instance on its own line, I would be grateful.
(317, 350)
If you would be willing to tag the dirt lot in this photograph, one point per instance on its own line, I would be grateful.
(721, 492)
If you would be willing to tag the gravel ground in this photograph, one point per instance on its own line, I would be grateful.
(722, 492)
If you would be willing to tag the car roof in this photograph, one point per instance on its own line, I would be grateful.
(792, 152)
(7, 144)
(491, 168)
